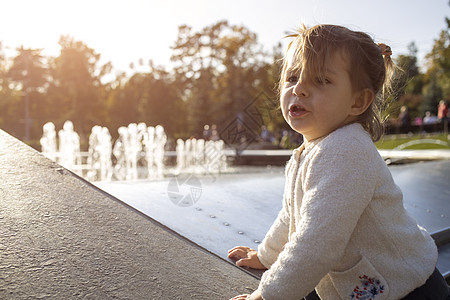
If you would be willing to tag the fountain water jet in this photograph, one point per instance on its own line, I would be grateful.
(48, 141)
(139, 152)
(100, 155)
(200, 156)
(69, 148)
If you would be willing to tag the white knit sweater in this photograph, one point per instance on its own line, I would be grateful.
(343, 229)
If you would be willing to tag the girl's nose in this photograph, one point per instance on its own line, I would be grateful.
(300, 89)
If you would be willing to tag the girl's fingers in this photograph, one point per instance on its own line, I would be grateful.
(239, 248)
(243, 262)
(238, 252)
(236, 255)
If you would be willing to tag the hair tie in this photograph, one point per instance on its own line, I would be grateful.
(385, 49)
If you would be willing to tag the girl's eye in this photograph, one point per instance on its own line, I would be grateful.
(322, 80)
(292, 79)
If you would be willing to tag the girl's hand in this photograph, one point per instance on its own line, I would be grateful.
(246, 257)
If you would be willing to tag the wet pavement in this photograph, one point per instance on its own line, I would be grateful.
(238, 209)
(231, 209)
(426, 190)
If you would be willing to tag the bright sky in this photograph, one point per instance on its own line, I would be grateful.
(128, 30)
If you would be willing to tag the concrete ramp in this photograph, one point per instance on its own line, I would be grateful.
(62, 238)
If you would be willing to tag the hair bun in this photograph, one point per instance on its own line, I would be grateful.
(385, 49)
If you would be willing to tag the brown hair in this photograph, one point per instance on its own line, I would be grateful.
(368, 67)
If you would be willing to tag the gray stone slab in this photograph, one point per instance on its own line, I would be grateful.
(238, 209)
(61, 238)
(426, 191)
(444, 260)
(231, 210)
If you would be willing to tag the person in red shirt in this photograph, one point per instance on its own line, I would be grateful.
(442, 111)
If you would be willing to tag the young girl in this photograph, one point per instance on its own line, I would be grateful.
(343, 230)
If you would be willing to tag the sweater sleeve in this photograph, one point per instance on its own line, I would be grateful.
(278, 234)
(275, 239)
(337, 186)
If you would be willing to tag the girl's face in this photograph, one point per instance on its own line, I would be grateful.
(316, 106)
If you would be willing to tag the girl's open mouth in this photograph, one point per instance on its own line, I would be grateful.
(296, 110)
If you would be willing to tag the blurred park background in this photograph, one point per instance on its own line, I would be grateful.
(216, 72)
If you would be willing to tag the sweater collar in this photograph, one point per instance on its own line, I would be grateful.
(307, 145)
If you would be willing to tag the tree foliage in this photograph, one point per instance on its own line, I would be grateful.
(149, 97)
(220, 74)
(25, 84)
(421, 92)
(437, 76)
(221, 69)
(75, 91)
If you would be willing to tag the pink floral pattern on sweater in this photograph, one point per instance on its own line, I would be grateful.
(369, 289)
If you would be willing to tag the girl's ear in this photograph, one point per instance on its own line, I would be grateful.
(363, 99)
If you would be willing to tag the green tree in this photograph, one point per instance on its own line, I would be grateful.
(77, 91)
(161, 104)
(196, 70)
(124, 102)
(268, 76)
(150, 98)
(4, 88)
(411, 76)
(28, 74)
(219, 71)
(408, 84)
(9, 99)
(437, 77)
